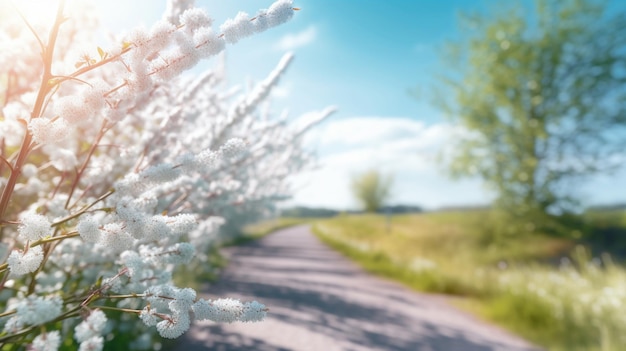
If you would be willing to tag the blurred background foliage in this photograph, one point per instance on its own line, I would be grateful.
(372, 189)
(541, 101)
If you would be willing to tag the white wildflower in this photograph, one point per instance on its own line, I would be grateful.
(61, 158)
(154, 228)
(22, 263)
(174, 326)
(182, 253)
(34, 226)
(88, 228)
(207, 159)
(71, 109)
(202, 309)
(47, 341)
(175, 8)
(208, 43)
(226, 310)
(13, 325)
(182, 223)
(115, 238)
(159, 296)
(253, 312)
(185, 296)
(238, 28)
(149, 316)
(91, 327)
(35, 310)
(280, 12)
(47, 131)
(95, 343)
(233, 147)
(160, 35)
(195, 18)
(29, 170)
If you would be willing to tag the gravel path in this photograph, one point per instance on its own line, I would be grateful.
(320, 301)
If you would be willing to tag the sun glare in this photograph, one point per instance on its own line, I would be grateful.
(38, 13)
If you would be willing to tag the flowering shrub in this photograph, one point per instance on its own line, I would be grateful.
(115, 169)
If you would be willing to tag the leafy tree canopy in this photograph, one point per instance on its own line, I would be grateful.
(541, 99)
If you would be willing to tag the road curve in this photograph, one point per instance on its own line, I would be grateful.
(320, 301)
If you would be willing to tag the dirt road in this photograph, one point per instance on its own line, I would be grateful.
(320, 301)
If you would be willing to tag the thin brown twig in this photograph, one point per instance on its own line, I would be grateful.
(44, 88)
(6, 162)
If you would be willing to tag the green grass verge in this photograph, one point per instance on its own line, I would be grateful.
(516, 281)
(378, 262)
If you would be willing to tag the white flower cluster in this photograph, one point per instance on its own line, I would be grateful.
(88, 332)
(27, 261)
(159, 174)
(122, 170)
(33, 310)
(251, 179)
(175, 8)
(171, 310)
(229, 311)
(47, 341)
(242, 26)
(33, 226)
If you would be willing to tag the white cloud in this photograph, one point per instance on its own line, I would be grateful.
(403, 147)
(293, 41)
(363, 131)
(406, 149)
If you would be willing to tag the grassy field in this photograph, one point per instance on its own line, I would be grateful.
(550, 290)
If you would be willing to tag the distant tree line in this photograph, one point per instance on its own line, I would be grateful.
(314, 212)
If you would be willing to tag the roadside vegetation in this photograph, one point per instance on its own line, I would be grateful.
(536, 124)
(559, 292)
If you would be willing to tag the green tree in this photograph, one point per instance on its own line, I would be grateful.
(372, 189)
(539, 92)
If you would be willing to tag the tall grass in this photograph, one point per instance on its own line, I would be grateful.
(521, 282)
(576, 306)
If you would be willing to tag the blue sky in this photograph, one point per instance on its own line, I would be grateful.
(364, 57)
